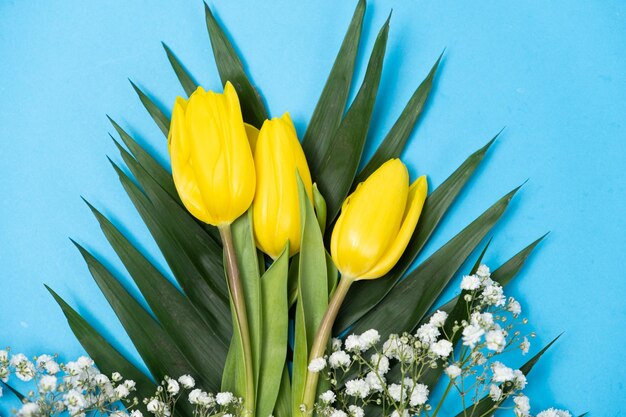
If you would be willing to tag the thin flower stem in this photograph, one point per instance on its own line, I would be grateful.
(239, 303)
(321, 339)
(445, 394)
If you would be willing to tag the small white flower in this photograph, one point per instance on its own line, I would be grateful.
(130, 384)
(380, 363)
(224, 398)
(172, 386)
(339, 359)
(4, 373)
(48, 383)
(428, 333)
(439, 318)
(472, 335)
(522, 406)
(356, 411)
(121, 391)
(552, 412)
(194, 396)
(48, 364)
(493, 295)
(419, 395)
(118, 414)
(442, 348)
(478, 358)
(317, 365)
(501, 372)
(514, 306)
(495, 340)
(187, 381)
(116, 377)
(357, 388)
(525, 346)
(328, 397)
(353, 343)
(24, 369)
(519, 379)
(483, 271)
(369, 339)
(397, 392)
(495, 393)
(374, 381)
(395, 413)
(158, 408)
(338, 413)
(470, 283)
(84, 362)
(74, 399)
(4, 356)
(136, 413)
(453, 371)
(336, 343)
(28, 410)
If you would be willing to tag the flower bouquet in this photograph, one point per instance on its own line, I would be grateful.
(295, 294)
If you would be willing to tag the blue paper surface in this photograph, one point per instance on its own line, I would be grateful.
(553, 73)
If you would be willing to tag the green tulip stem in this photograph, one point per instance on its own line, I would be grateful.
(239, 303)
(321, 339)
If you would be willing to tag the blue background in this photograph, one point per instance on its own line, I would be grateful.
(553, 72)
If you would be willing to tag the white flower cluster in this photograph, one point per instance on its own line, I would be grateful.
(393, 374)
(76, 388)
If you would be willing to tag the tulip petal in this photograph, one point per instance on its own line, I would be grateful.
(253, 135)
(417, 196)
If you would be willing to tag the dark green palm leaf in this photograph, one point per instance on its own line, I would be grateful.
(161, 120)
(186, 80)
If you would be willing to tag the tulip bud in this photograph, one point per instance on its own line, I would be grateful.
(278, 158)
(377, 221)
(212, 162)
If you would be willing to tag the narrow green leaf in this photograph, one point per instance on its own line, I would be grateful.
(363, 296)
(144, 331)
(186, 80)
(14, 391)
(312, 295)
(106, 357)
(192, 257)
(395, 141)
(408, 302)
(486, 404)
(231, 69)
(162, 121)
(332, 102)
(283, 403)
(203, 347)
(339, 163)
(275, 321)
(320, 208)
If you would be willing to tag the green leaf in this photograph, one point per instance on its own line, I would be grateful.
(363, 296)
(231, 69)
(192, 256)
(312, 295)
(337, 167)
(486, 404)
(106, 357)
(275, 322)
(162, 121)
(332, 102)
(395, 141)
(144, 331)
(409, 301)
(283, 403)
(203, 347)
(186, 80)
(320, 208)
(14, 391)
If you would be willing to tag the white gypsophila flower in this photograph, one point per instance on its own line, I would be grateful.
(514, 307)
(427, 333)
(84, 362)
(357, 388)
(158, 408)
(519, 379)
(328, 397)
(335, 343)
(501, 372)
(397, 392)
(116, 377)
(121, 391)
(495, 340)
(224, 398)
(173, 387)
(118, 413)
(317, 365)
(4, 373)
(419, 395)
(353, 343)
(380, 363)
(73, 399)
(442, 348)
(484, 320)
(495, 393)
(438, 319)
(369, 338)
(187, 381)
(136, 413)
(525, 346)
(338, 413)
(374, 381)
(356, 411)
(4, 356)
(28, 410)
(472, 334)
(24, 369)
(130, 384)
(48, 383)
(470, 283)
(339, 359)
(453, 371)
(395, 413)
(553, 412)
(522, 406)
(194, 396)
(493, 295)
(483, 271)
(48, 364)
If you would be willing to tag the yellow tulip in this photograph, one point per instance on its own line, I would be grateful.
(276, 209)
(377, 221)
(212, 162)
